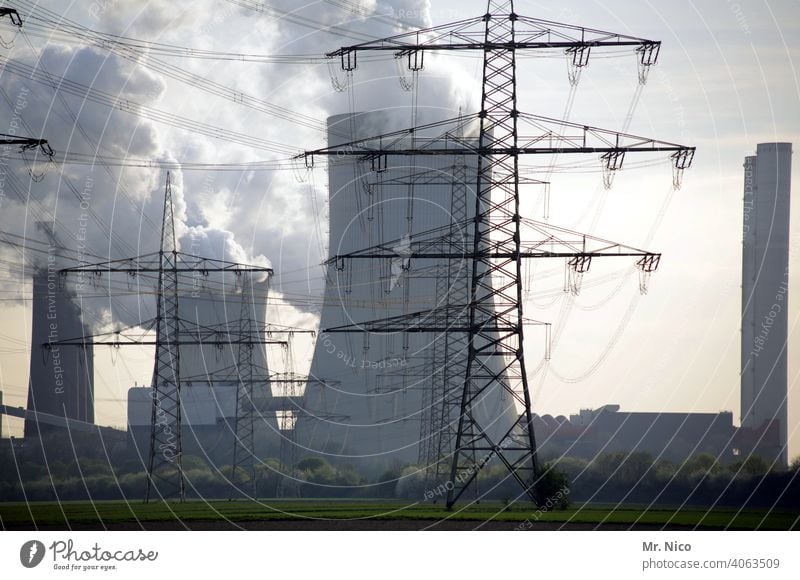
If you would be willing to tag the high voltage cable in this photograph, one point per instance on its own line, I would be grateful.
(101, 97)
(133, 49)
(277, 14)
(205, 84)
(84, 134)
(87, 93)
(27, 201)
(34, 9)
(144, 59)
(70, 158)
(286, 164)
(46, 29)
(49, 79)
(194, 80)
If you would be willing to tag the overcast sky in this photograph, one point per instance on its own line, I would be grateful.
(725, 81)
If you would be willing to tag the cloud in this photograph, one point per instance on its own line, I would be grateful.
(251, 217)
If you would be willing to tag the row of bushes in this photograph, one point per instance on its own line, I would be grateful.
(611, 477)
(701, 480)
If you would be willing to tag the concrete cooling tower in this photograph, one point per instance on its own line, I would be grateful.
(372, 390)
(212, 364)
(61, 377)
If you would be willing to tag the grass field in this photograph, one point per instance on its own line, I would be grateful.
(371, 515)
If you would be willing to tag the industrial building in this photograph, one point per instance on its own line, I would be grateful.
(765, 281)
(671, 436)
(381, 377)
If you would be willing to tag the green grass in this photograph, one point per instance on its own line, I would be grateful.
(108, 512)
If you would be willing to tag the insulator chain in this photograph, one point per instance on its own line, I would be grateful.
(36, 174)
(527, 272)
(646, 266)
(577, 59)
(546, 203)
(646, 57)
(548, 341)
(576, 267)
(379, 163)
(9, 44)
(644, 281)
(302, 170)
(406, 83)
(367, 187)
(611, 162)
(344, 271)
(338, 84)
(414, 63)
(681, 160)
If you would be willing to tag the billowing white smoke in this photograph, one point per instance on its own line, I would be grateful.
(256, 217)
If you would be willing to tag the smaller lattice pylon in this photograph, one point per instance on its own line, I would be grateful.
(164, 469)
(243, 451)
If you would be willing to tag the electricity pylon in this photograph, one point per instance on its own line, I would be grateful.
(165, 477)
(493, 318)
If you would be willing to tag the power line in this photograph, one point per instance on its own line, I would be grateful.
(492, 317)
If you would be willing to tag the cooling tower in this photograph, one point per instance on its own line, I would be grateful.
(368, 391)
(765, 282)
(204, 309)
(61, 377)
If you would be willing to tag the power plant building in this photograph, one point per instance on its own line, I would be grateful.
(765, 280)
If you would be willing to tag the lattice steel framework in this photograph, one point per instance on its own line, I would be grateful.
(164, 467)
(26, 143)
(492, 317)
(247, 408)
(441, 402)
(289, 387)
(243, 444)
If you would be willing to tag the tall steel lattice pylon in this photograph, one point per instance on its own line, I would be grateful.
(441, 402)
(497, 213)
(492, 319)
(164, 464)
(243, 444)
(165, 476)
(288, 484)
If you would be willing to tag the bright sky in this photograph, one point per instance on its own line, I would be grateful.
(726, 80)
